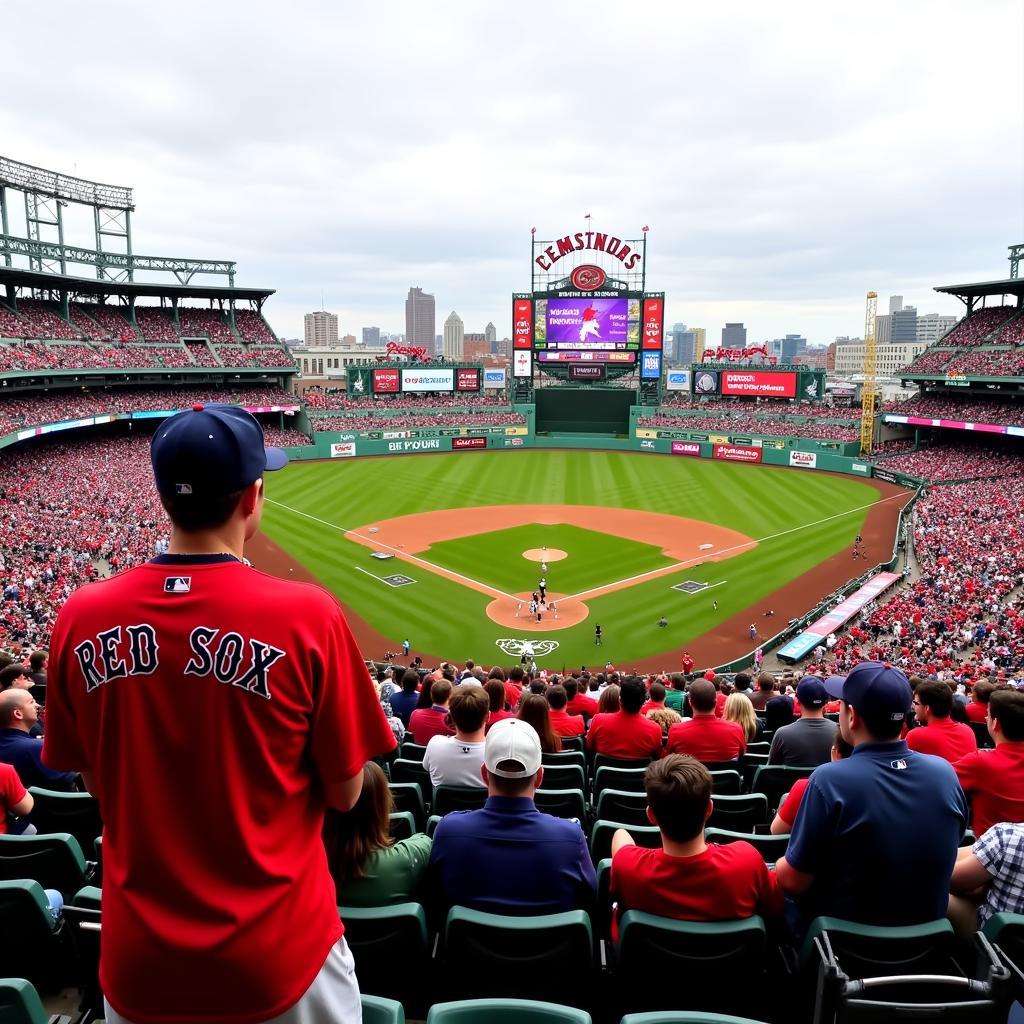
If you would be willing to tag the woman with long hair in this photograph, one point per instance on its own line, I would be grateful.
(609, 700)
(368, 868)
(535, 709)
(739, 709)
(496, 695)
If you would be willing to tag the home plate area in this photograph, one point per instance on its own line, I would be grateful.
(398, 580)
(690, 587)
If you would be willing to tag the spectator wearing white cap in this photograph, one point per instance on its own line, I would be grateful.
(508, 857)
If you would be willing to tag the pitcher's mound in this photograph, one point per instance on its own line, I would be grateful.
(514, 612)
(545, 554)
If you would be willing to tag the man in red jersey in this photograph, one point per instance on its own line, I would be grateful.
(687, 879)
(626, 733)
(977, 709)
(704, 736)
(579, 703)
(994, 779)
(561, 721)
(940, 735)
(218, 905)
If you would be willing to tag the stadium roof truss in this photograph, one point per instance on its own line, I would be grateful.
(48, 193)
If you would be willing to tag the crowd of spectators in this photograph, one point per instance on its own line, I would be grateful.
(954, 619)
(270, 356)
(253, 328)
(956, 407)
(988, 362)
(156, 324)
(956, 461)
(48, 322)
(770, 407)
(40, 355)
(752, 425)
(210, 323)
(414, 421)
(283, 438)
(201, 353)
(18, 411)
(87, 326)
(931, 360)
(113, 322)
(976, 328)
(320, 398)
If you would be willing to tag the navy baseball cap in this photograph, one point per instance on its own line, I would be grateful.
(811, 692)
(878, 691)
(211, 450)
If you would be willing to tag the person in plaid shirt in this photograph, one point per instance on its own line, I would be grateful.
(988, 878)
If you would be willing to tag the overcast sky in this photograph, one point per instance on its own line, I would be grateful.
(787, 157)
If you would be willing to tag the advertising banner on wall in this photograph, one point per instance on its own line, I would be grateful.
(359, 380)
(653, 323)
(753, 382)
(467, 379)
(522, 365)
(650, 368)
(344, 450)
(387, 380)
(428, 380)
(586, 371)
(494, 378)
(734, 453)
(685, 448)
(803, 460)
(705, 382)
(475, 441)
(522, 323)
(677, 380)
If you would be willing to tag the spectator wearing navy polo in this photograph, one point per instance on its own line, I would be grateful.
(404, 703)
(19, 713)
(508, 857)
(876, 835)
(938, 734)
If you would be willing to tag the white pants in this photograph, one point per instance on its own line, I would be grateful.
(332, 998)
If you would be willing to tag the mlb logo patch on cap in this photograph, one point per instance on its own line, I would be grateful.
(177, 584)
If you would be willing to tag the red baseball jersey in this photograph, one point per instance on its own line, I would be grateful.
(209, 702)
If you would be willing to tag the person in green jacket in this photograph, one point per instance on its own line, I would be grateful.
(368, 867)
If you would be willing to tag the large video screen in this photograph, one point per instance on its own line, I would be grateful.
(587, 324)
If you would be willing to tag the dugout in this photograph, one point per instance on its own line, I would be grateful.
(584, 410)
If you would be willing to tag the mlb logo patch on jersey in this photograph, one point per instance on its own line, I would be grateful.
(177, 584)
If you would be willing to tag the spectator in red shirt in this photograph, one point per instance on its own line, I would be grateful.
(425, 723)
(656, 699)
(994, 779)
(578, 702)
(513, 685)
(14, 798)
(626, 733)
(687, 879)
(561, 721)
(704, 736)
(496, 694)
(940, 735)
(977, 709)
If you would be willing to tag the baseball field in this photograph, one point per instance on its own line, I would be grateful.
(665, 553)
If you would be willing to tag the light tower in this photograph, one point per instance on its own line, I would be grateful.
(867, 394)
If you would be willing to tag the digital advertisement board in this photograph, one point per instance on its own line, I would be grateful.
(468, 442)
(762, 384)
(734, 453)
(387, 380)
(705, 382)
(587, 371)
(677, 380)
(654, 313)
(650, 368)
(522, 323)
(586, 323)
(344, 450)
(685, 448)
(467, 380)
(494, 378)
(599, 357)
(522, 365)
(428, 380)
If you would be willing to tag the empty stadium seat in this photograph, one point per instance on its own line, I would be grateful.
(39, 951)
(381, 1011)
(564, 757)
(54, 861)
(458, 798)
(699, 963)
(562, 803)
(401, 825)
(599, 761)
(412, 751)
(408, 796)
(726, 783)
(20, 1003)
(547, 957)
(621, 805)
(629, 779)
(868, 951)
(75, 813)
(741, 813)
(774, 780)
(602, 832)
(404, 770)
(566, 776)
(572, 743)
(505, 1011)
(684, 1017)
(770, 847)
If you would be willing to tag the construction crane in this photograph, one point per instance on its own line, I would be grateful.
(869, 387)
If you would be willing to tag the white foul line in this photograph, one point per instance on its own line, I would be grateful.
(441, 570)
(368, 573)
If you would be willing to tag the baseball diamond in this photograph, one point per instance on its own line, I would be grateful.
(632, 528)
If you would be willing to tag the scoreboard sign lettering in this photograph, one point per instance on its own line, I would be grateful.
(469, 442)
(387, 380)
(522, 323)
(595, 371)
(467, 380)
(654, 314)
(735, 453)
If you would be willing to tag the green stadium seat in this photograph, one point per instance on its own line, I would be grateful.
(77, 814)
(774, 780)
(565, 757)
(867, 951)
(684, 1017)
(1007, 931)
(722, 766)
(572, 743)
(432, 824)
(392, 952)
(20, 1003)
(83, 918)
(458, 798)
(410, 751)
(770, 847)
(607, 761)
(33, 947)
(546, 957)
(726, 783)
(760, 747)
(54, 861)
(404, 770)
(622, 805)
(505, 1011)
(602, 832)
(401, 825)
(704, 960)
(562, 803)
(629, 779)
(748, 765)
(407, 796)
(565, 776)
(602, 915)
(741, 813)
(381, 1011)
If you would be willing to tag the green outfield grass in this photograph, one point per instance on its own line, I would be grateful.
(799, 519)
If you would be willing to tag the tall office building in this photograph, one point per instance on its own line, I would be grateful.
(791, 346)
(883, 329)
(734, 336)
(904, 325)
(454, 332)
(491, 334)
(419, 319)
(933, 326)
(895, 303)
(321, 328)
(699, 343)
(474, 347)
(371, 336)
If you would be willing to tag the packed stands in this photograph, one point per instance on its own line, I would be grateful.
(116, 325)
(253, 328)
(933, 359)
(284, 438)
(39, 355)
(201, 354)
(773, 408)
(316, 398)
(84, 323)
(208, 323)
(156, 324)
(18, 411)
(752, 425)
(956, 461)
(976, 328)
(411, 422)
(254, 355)
(48, 322)
(974, 409)
(14, 326)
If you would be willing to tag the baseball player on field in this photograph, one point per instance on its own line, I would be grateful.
(214, 711)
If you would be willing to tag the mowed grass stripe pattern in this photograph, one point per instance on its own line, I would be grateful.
(449, 620)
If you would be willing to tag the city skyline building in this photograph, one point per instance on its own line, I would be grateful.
(734, 336)
(371, 336)
(320, 328)
(454, 334)
(420, 320)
